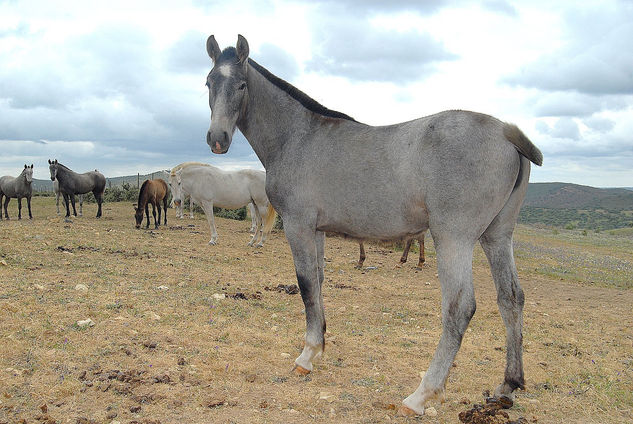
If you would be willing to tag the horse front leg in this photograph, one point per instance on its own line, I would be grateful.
(57, 202)
(28, 203)
(72, 200)
(7, 199)
(67, 204)
(147, 214)
(208, 211)
(405, 251)
(165, 208)
(19, 208)
(454, 263)
(190, 208)
(303, 243)
(81, 205)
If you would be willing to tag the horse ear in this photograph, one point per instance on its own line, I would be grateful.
(242, 48)
(25, 166)
(55, 161)
(49, 162)
(31, 166)
(213, 50)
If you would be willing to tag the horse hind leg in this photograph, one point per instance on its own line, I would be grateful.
(496, 242)
(81, 205)
(7, 199)
(165, 208)
(28, 203)
(362, 256)
(422, 259)
(405, 251)
(19, 208)
(454, 262)
(208, 211)
(258, 228)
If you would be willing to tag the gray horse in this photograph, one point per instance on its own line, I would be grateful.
(17, 187)
(462, 174)
(72, 183)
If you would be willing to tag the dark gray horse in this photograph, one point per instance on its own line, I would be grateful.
(72, 183)
(17, 187)
(461, 174)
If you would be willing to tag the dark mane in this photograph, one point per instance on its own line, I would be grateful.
(141, 191)
(229, 54)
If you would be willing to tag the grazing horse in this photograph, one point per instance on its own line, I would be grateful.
(59, 193)
(461, 174)
(405, 252)
(17, 187)
(154, 192)
(72, 183)
(210, 186)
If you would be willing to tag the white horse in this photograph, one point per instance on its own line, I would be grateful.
(181, 207)
(210, 186)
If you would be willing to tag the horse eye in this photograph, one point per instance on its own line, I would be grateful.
(242, 86)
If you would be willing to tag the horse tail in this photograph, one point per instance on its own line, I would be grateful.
(271, 214)
(523, 144)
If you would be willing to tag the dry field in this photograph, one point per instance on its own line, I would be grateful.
(185, 332)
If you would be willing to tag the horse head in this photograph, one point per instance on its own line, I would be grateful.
(138, 215)
(28, 173)
(175, 185)
(227, 91)
(52, 166)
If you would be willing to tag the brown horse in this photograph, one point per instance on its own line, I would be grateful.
(152, 191)
(405, 252)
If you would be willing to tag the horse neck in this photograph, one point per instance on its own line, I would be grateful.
(64, 173)
(269, 110)
(142, 195)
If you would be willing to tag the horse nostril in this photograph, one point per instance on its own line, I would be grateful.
(226, 137)
(209, 137)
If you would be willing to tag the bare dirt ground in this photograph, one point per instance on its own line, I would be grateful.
(184, 332)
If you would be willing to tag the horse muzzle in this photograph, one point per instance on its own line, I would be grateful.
(219, 143)
(177, 202)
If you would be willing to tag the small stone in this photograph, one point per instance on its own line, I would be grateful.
(39, 287)
(430, 411)
(326, 396)
(85, 323)
(135, 409)
(285, 355)
(111, 415)
(154, 316)
(273, 328)
(219, 296)
(181, 361)
(81, 287)
(162, 288)
(251, 378)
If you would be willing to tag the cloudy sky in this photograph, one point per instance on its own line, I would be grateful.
(119, 85)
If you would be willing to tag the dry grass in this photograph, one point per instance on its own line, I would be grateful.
(183, 356)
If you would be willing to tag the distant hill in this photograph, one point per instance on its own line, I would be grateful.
(577, 206)
(47, 185)
(573, 196)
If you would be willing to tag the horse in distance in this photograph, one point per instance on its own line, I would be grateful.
(461, 174)
(210, 186)
(72, 183)
(17, 187)
(405, 252)
(152, 192)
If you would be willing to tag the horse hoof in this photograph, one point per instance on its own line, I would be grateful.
(212, 243)
(299, 370)
(405, 411)
(259, 245)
